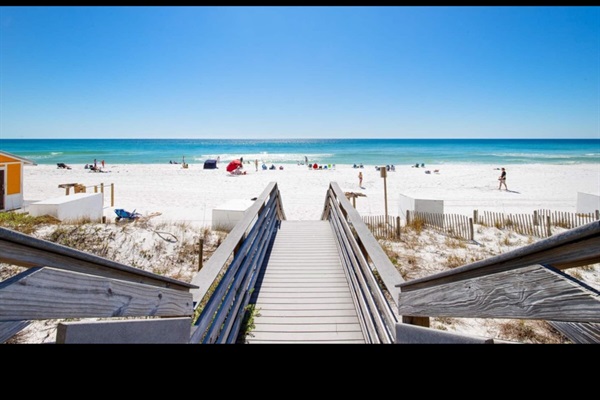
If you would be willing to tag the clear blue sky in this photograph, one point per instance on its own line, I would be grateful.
(299, 72)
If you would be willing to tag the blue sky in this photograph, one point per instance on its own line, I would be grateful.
(299, 72)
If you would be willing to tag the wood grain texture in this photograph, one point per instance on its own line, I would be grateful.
(533, 292)
(579, 332)
(10, 328)
(26, 251)
(48, 293)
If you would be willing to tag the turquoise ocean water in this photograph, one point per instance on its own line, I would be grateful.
(293, 151)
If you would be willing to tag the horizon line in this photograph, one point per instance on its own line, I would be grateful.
(300, 138)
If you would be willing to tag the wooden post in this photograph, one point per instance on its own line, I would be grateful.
(398, 227)
(354, 201)
(471, 230)
(95, 189)
(112, 194)
(201, 245)
(597, 214)
(68, 189)
(535, 217)
(102, 188)
(384, 175)
(548, 225)
(407, 217)
(475, 216)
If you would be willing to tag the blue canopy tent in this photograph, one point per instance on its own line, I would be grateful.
(210, 164)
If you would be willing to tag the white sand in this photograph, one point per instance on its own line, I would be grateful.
(190, 195)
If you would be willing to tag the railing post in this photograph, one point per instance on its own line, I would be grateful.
(102, 188)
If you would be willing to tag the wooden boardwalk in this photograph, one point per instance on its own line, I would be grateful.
(303, 295)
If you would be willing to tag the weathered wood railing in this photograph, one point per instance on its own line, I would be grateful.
(233, 269)
(64, 283)
(526, 283)
(363, 259)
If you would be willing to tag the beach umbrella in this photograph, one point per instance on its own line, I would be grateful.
(233, 165)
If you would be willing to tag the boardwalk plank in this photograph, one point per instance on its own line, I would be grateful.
(303, 295)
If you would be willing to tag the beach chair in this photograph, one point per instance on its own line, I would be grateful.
(122, 214)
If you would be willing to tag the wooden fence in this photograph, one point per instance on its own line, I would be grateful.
(567, 220)
(537, 224)
(382, 228)
(455, 225)
(525, 224)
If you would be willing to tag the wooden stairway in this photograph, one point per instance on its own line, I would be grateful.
(302, 294)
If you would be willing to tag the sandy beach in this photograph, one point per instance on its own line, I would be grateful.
(189, 195)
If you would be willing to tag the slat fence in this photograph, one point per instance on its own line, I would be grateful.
(382, 228)
(455, 225)
(538, 224)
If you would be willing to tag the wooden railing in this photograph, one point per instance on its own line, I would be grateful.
(233, 269)
(526, 283)
(64, 283)
(365, 263)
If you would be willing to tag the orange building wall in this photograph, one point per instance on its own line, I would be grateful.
(13, 178)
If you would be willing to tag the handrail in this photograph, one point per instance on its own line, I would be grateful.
(525, 283)
(220, 319)
(573, 248)
(64, 283)
(26, 251)
(376, 314)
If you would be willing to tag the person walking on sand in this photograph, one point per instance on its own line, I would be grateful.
(360, 179)
(256, 164)
(502, 180)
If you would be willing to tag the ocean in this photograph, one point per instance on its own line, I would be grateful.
(293, 151)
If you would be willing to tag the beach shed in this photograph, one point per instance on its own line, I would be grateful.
(210, 164)
(11, 180)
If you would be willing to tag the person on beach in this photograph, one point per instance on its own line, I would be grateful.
(256, 164)
(502, 180)
(360, 179)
